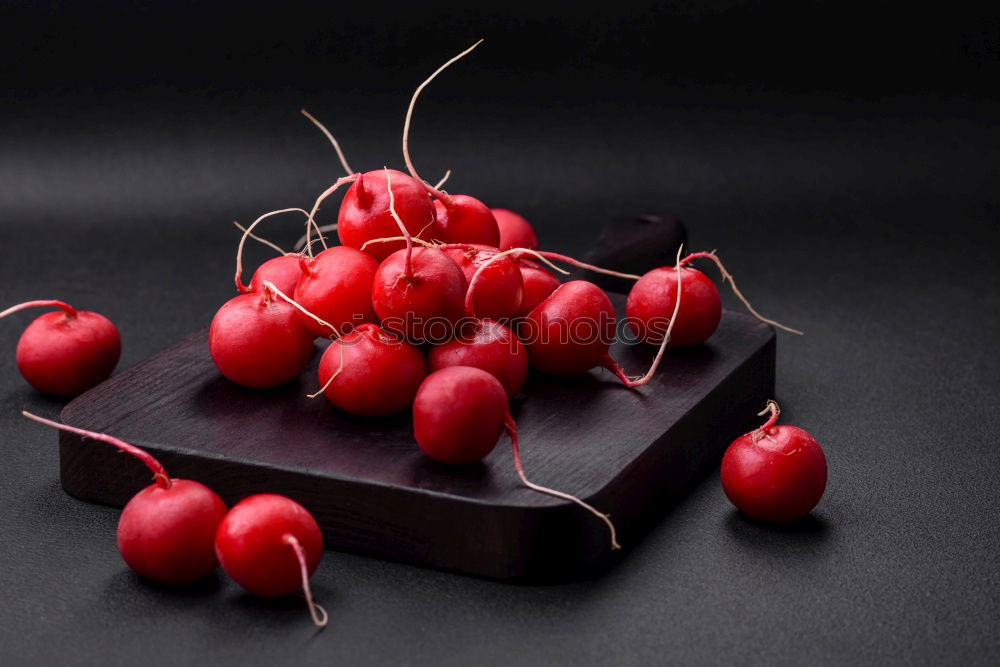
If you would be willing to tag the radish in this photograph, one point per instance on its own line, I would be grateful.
(775, 473)
(515, 230)
(459, 414)
(167, 530)
(488, 346)
(460, 218)
(418, 293)
(539, 283)
(259, 341)
(336, 285)
(500, 288)
(651, 302)
(371, 373)
(270, 545)
(364, 213)
(66, 352)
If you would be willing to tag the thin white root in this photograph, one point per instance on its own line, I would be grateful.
(319, 615)
(301, 243)
(387, 239)
(336, 146)
(670, 328)
(332, 377)
(239, 251)
(739, 295)
(258, 239)
(444, 179)
(319, 200)
(277, 292)
(409, 115)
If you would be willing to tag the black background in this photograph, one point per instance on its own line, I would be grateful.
(842, 158)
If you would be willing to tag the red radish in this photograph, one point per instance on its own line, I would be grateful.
(364, 213)
(166, 531)
(460, 218)
(283, 271)
(488, 346)
(418, 293)
(775, 473)
(336, 285)
(259, 341)
(500, 288)
(371, 373)
(651, 302)
(464, 219)
(515, 230)
(458, 416)
(539, 283)
(65, 353)
(270, 545)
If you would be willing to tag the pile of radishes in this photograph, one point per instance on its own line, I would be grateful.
(433, 303)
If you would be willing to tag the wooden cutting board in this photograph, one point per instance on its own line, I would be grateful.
(631, 453)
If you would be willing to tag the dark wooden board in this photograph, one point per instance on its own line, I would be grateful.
(630, 453)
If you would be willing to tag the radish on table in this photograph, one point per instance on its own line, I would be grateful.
(776, 472)
(68, 351)
(460, 413)
(166, 532)
(270, 545)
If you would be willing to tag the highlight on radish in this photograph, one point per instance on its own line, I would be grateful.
(460, 413)
(776, 472)
(166, 532)
(650, 304)
(271, 545)
(67, 351)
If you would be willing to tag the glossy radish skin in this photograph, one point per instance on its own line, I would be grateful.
(168, 534)
(466, 220)
(651, 303)
(500, 287)
(459, 414)
(776, 473)
(377, 373)
(570, 331)
(425, 306)
(259, 341)
(65, 353)
(336, 286)
(364, 212)
(283, 271)
(515, 230)
(252, 547)
(488, 346)
(538, 283)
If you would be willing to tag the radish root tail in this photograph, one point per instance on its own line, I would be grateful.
(311, 222)
(268, 285)
(42, 303)
(319, 615)
(438, 194)
(732, 284)
(159, 473)
(240, 287)
(402, 227)
(258, 239)
(772, 407)
(606, 518)
(332, 377)
(329, 136)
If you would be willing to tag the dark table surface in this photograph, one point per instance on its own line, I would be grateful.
(866, 215)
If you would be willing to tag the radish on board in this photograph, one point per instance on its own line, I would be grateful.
(460, 413)
(166, 532)
(651, 304)
(515, 230)
(336, 285)
(488, 346)
(370, 372)
(418, 293)
(68, 351)
(538, 282)
(271, 545)
(499, 290)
